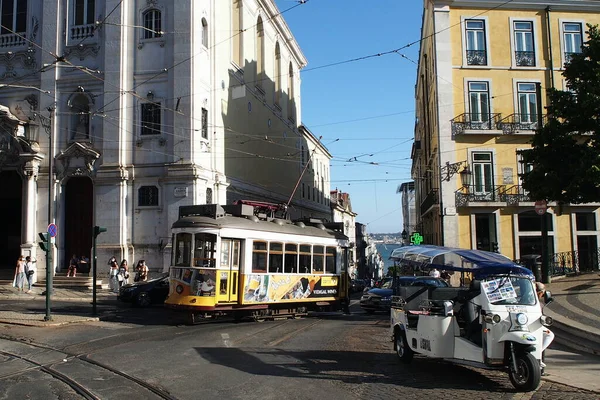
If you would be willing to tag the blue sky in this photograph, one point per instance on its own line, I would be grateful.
(369, 104)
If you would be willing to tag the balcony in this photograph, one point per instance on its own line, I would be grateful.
(13, 40)
(514, 195)
(466, 195)
(476, 57)
(520, 123)
(474, 123)
(525, 58)
(82, 31)
(430, 201)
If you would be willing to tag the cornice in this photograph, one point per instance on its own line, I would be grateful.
(555, 5)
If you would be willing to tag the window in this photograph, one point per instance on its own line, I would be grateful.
(204, 250)
(204, 33)
(147, 196)
(291, 259)
(275, 257)
(291, 103)
(318, 259)
(183, 249)
(14, 16)
(84, 12)
(260, 53)
(209, 196)
(204, 123)
(572, 37)
(475, 38)
(304, 259)
(527, 96)
(330, 260)
(524, 50)
(150, 119)
(259, 257)
(152, 24)
(277, 75)
(483, 177)
(585, 221)
(479, 101)
(237, 32)
(530, 221)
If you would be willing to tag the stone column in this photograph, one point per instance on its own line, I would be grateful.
(30, 173)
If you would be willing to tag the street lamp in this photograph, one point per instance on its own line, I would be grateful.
(465, 176)
(404, 235)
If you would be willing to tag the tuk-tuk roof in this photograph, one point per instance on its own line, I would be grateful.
(478, 262)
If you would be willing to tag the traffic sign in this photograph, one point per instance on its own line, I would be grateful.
(540, 207)
(52, 229)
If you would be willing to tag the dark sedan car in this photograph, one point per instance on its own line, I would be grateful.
(429, 281)
(380, 299)
(143, 294)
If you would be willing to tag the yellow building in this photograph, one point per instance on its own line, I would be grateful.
(483, 72)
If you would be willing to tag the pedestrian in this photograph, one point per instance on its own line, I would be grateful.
(113, 282)
(141, 271)
(434, 273)
(73, 266)
(123, 273)
(548, 337)
(29, 271)
(19, 279)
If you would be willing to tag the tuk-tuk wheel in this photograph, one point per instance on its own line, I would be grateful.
(403, 351)
(528, 374)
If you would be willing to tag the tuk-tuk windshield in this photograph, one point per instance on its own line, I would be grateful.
(509, 290)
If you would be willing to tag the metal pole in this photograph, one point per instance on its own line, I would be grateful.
(545, 269)
(94, 273)
(49, 272)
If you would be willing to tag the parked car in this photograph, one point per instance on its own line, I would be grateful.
(143, 294)
(429, 281)
(380, 299)
(357, 285)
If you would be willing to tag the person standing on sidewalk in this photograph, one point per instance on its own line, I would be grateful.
(29, 272)
(19, 280)
(123, 273)
(113, 275)
(141, 271)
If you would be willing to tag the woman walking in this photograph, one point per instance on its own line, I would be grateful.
(29, 272)
(141, 271)
(123, 273)
(19, 280)
(114, 271)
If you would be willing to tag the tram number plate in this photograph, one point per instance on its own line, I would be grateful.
(425, 344)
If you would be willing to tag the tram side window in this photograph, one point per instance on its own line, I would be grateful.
(183, 249)
(291, 258)
(330, 260)
(204, 250)
(275, 257)
(259, 257)
(304, 259)
(318, 259)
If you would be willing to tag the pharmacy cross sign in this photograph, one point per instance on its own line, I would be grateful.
(416, 238)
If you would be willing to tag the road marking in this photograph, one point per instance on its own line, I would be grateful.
(225, 337)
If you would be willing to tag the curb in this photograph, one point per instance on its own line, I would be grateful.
(576, 335)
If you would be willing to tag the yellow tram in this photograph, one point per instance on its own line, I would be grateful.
(240, 259)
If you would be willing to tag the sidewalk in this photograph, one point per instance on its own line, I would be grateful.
(59, 315)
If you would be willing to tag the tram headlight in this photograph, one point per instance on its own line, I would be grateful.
(492, 318)
(546, 320)
(179, 289)
(522, 319)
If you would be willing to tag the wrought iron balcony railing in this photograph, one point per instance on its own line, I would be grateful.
(430, 200)
(475, 122)
(467, 194)
(476, 57)
(518, 123)
(525, 58)
(513, 195)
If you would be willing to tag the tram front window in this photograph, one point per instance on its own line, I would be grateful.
(204, 250)
(183, 249)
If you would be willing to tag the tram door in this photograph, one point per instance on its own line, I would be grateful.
(229, 270)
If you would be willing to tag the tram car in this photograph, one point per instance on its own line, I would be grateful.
(243, 260)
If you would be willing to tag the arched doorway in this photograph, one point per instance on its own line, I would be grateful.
(11, 204)
(79, 210)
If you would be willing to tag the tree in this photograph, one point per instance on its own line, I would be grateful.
(565, 152)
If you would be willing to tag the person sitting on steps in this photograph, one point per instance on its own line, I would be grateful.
(73, 266)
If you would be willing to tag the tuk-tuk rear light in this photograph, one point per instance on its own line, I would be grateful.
(546, 320)
(522, 319)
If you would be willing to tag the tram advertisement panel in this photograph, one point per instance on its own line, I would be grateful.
(264, 288)
(199, 282)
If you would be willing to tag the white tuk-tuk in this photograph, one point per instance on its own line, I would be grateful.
(494, 321)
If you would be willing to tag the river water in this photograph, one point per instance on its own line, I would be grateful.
(385, 249)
